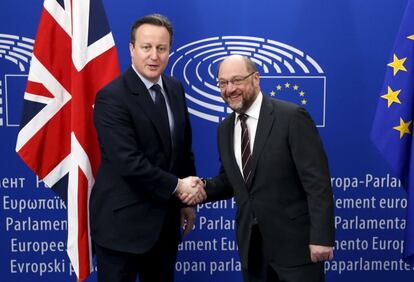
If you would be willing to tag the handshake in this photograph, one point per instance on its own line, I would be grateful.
(190, 190)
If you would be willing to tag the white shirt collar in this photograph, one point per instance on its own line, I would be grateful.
(254, 110)
(148, 83)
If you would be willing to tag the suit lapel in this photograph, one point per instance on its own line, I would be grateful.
(264, 126)
(146, 104)
(174, 104)
(175, 108)
(234, 171)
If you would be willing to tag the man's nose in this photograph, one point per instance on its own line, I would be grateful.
(154, 53)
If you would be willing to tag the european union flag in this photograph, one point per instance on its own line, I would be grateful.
(306, 91)
(392, 128)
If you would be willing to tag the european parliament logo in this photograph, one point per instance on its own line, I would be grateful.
(286, 73)
(15, 54)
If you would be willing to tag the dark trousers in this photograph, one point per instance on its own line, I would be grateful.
(156, 265)
(260, 269)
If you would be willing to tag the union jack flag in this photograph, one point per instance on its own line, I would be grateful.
(73, 57)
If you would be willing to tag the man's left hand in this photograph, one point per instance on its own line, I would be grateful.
(188, 216)
(320, 253)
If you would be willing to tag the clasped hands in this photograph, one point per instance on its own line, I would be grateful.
(190, 190)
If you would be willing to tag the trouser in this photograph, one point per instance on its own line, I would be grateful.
(260, 269)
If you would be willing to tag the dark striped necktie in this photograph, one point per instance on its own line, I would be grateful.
(245, 150)
(162, 107)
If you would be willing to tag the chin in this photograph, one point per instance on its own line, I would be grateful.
(236, 107)
(152, 77)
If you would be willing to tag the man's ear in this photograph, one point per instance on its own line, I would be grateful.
(131, 48)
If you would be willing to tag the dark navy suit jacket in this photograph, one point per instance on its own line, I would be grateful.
(290, 195)
(132, 199)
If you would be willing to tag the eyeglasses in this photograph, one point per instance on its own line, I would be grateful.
(238, 80)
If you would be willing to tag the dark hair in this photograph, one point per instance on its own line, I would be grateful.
(153, 19)
(250, 65)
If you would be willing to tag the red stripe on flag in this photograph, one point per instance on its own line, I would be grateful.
(50, 145)
(83, 232)
(84, 89)
(53, 48)
(38, 89)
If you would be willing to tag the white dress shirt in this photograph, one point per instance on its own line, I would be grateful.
(253, 117)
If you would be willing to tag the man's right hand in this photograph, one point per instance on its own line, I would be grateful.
(190, 190)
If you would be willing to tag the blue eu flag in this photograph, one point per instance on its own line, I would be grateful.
(393, 123)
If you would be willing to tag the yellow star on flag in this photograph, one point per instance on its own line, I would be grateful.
(304, 102)
(279, 87)
(301, 93)
(397, 64)
(287, 84)
(273, 93)
(295, 87)
(392, 96)
(403, 128)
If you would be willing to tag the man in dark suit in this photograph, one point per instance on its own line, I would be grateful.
(145, 140)
(274, 165)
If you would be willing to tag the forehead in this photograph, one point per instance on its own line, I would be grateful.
(232, 67)
(149, 32)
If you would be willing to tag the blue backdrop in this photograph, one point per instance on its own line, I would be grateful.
(329, 56)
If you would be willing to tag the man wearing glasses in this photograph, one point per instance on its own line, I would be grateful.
(274, 164)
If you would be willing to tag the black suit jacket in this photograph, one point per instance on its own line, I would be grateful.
(132, 199)
(290, 195)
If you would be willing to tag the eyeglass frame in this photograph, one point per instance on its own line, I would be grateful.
(236, 81)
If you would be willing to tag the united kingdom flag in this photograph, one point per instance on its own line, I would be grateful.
(73, 57)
